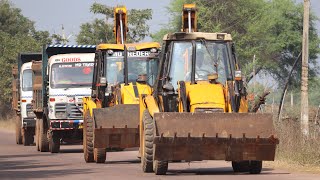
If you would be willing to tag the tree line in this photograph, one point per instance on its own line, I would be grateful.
(269, 29)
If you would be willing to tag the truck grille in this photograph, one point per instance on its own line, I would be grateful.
(68, 111)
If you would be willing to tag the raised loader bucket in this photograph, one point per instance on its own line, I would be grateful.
(214, 136)
(116, 127)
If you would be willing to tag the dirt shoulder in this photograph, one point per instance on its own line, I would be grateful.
(7, 124)
(293, 167)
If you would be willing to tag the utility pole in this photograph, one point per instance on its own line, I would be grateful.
(304, 74)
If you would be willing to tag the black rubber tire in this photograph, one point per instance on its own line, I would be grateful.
(241, 166)
(18, 130)
(160, 167)
(27, 137)
(100, 155)
(37, 129)
(148, 130)
(43, 140)
(54, 143)
(88, 138)
(255, 167)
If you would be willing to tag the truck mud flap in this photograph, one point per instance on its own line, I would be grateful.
(117, 126)
(214, 136)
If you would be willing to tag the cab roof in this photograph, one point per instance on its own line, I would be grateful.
(197, 35)
(135, 46)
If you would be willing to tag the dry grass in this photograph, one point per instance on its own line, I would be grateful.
(296, 151)
(7, 123)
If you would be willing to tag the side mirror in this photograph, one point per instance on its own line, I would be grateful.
(103, 81)
(238, 75)
(168, 87)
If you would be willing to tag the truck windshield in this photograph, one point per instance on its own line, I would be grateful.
(71, 75)
(136, 66)
(27, 80)
(211, 57)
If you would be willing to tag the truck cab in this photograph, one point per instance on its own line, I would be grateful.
(63, 79)
(22, 97)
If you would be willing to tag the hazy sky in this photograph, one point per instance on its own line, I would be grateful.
(51, 14)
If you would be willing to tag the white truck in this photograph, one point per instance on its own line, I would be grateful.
(22, 97)
(60, 82)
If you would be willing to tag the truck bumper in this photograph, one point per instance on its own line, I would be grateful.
(66, 124)
(29, 122)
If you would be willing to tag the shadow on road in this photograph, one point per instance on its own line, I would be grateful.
(43, 174)
(214, 171)
(71, 150)
(136, 161)
(25, 155)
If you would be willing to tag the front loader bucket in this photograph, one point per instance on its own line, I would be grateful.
(117, 126)
(214, 136)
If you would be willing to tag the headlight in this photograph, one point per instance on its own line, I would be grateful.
(208, 110)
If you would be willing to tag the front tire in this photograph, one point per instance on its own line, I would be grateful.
(54, 143)
(18, 130)
(147, 151)
(88, 138)
(43, 140)
(160, 167)
(100, 155)
(27, 137)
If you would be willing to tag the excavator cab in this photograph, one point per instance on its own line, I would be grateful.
(199, 110)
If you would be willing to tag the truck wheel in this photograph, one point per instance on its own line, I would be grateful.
(54, 143)
(18, 130)
(27, 137)
(241, 166)
(100, 155)
(88, 138)
(43, 140)
(147, 147)
(255, 167)
(37, 135)
(160, 167)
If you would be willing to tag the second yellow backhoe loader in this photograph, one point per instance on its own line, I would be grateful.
(198, 109)
(122, 72)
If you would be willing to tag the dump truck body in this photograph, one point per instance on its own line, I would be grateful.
(22, 96)
(66, 73)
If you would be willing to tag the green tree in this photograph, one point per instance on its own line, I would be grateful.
(269, 29)
(101, 30)
(17, 34)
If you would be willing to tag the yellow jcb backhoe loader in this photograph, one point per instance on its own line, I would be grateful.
(198, 109)
(122, 72)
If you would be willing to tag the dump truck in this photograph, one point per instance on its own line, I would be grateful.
(22, 96)
(60, 81)
(199, 110)
(122, 72)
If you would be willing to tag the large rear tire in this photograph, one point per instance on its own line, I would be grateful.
(43, 140)
(147, 151)
(18, 130)
(100, 155)
(54, 142)
(88, 138)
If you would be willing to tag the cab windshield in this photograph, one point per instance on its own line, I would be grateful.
(136, 66)
(71, 75)
(211, 57)
(27, 80)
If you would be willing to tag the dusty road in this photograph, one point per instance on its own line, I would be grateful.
(19, 162)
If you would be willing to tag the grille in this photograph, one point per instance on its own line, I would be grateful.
(208, 110)
(69, 111)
